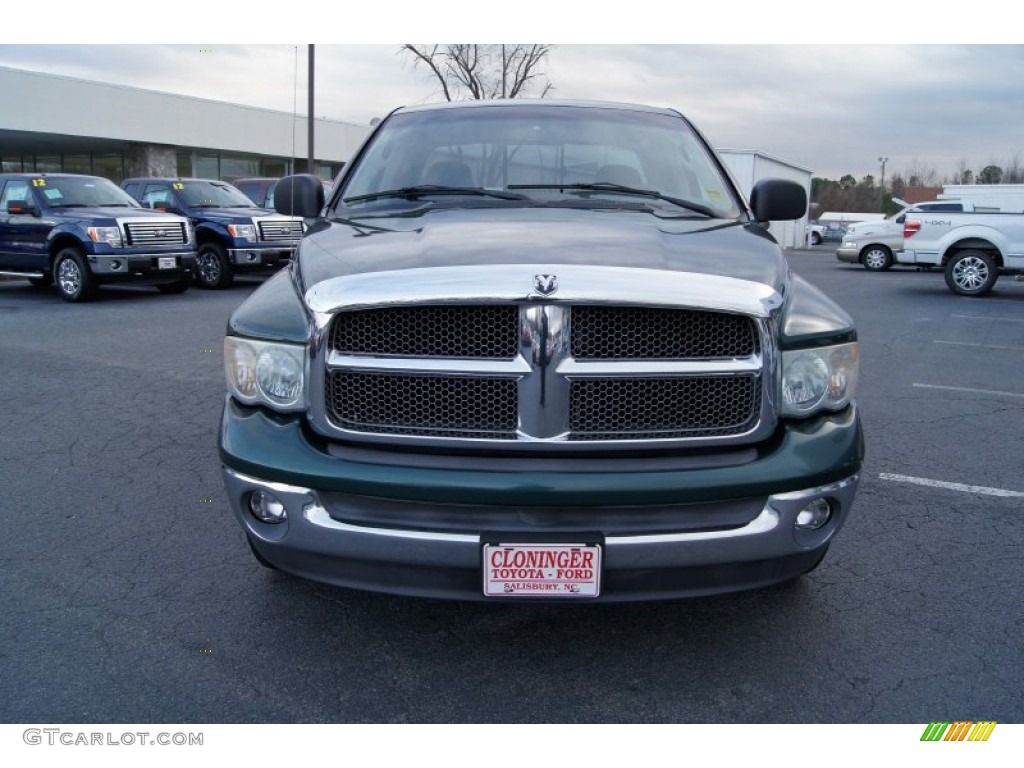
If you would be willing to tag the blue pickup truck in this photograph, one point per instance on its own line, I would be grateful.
(232, 233)
(76, 232)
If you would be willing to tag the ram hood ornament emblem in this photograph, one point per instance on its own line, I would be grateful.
(545, 285)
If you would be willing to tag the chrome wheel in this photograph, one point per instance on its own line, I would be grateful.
(971, 273)
(212, 268)
(69, 277)
(877, 259)
(208, 267)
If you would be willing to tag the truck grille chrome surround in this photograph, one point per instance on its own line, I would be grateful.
(149, 232)
(280, 230)
(472, 357)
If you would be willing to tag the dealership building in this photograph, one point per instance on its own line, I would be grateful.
(53, 123)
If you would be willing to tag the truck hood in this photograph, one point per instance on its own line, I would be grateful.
(233, 215)
(110, 213)
(448, 237)
(886, 227)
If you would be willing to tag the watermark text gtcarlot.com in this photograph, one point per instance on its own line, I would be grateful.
(57, 736)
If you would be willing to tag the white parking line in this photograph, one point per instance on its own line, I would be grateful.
(951, 486)
(986, 317)
(971, 390)
(970, 344)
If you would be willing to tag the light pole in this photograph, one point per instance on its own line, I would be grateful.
(883, 161)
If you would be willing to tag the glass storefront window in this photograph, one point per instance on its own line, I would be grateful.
(207, 166)
(273, 167)
(47, 164)
(109, 166)
(184, 164)
(10, 165)
(77, 164)
(236, 167)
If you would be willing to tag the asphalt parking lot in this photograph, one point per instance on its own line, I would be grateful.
(128, 594)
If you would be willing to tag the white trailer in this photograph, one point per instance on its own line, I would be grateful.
(1007, 198)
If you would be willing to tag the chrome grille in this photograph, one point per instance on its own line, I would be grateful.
(156, 233)
(643, 333)
(280, 230)
(425, 363)
(450, 406)
(441, 331)
(650, 408)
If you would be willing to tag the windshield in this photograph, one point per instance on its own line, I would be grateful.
(539, 152)
(82, 192)
(211, 194)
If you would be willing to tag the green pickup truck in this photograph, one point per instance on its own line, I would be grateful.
(540, 351)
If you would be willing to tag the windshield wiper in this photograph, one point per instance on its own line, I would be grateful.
(74, 205)
(607, 186)
(207, 205)
(434, 189)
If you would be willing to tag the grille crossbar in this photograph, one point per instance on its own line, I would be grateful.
(168, 233)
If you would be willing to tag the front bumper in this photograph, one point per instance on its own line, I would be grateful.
(386, 524)
(256, 256)
(128, 265)
(848, 253)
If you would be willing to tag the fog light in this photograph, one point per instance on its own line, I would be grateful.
(814, 515)
(115, 264)
(267, 507)
(250, 256)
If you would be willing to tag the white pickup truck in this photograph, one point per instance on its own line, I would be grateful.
(875, 243)
(972, 248)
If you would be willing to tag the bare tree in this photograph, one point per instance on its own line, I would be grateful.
(1013, 171)
(484, 71)
(962, 173)
(920, 174)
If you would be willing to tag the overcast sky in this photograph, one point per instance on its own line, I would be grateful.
(832, 108)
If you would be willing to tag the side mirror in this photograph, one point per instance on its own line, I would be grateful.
(21, 208)
(778, 200)
(299, 195)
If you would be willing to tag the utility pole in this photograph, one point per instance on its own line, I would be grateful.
(881, 205)
(310, 167)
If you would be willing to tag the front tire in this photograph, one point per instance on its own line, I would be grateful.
(71, 276)
(876, 258)
(971, 273)
(815, 238)
(213, 270)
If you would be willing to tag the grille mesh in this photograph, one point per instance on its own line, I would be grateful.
(639, 333)
(608, 409)
(440, 331)
(167, 233)
(448, 406)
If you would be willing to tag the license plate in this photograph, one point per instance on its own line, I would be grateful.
(166, 262)
(542, 570)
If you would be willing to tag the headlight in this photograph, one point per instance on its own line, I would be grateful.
(822, 379)
(243, 231)
(266, 373)
(109, 235)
